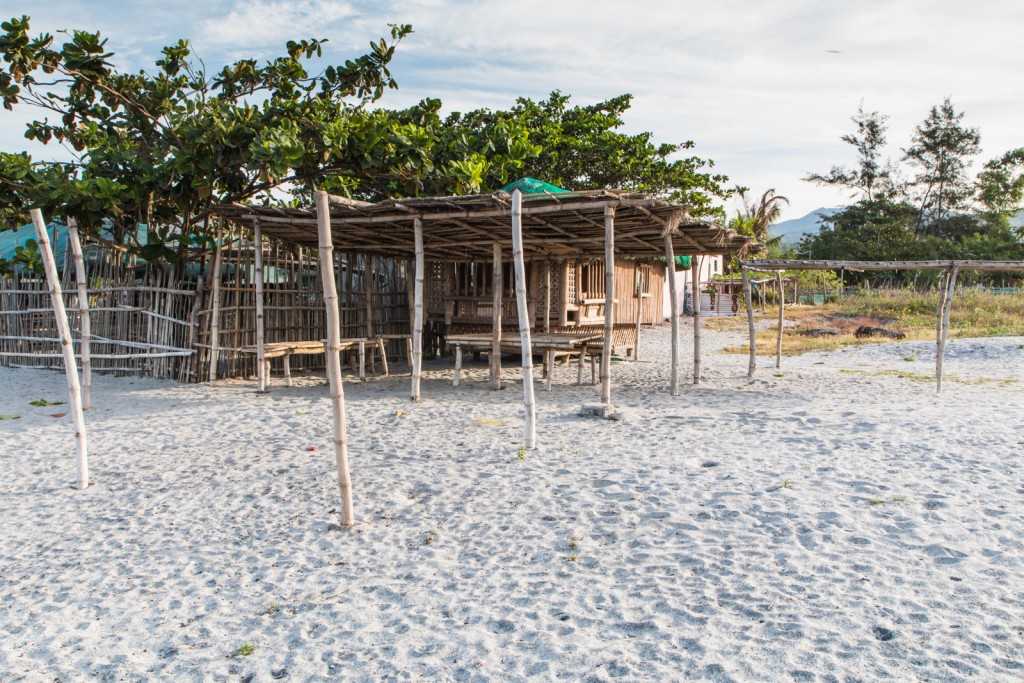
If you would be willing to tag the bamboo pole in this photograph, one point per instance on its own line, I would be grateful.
(695, 288)
(747, 300)
(782, 315)
(417, 330)
(609, 304)
(84, 321)
(639, 309)
(497, 282)
(215, 305)
(945, 308)
(524, 322)
(74, 390)
(368, 286)
(330, 288)
(673, 294)
(563, 293)
(547, 298)
(262, 375)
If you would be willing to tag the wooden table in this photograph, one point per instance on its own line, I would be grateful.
(288, 349)
(549, 343)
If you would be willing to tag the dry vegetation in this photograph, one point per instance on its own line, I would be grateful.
(975, 314)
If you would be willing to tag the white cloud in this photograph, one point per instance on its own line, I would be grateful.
(752, 82)
(271, 23)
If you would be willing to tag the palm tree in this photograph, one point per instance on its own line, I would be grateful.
(757, 217)
(755, 220)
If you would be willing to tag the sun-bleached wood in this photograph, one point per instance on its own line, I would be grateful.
(215, 296)
(695, 287)
(497, 281)
(673, 294)
(947, 287)
(782, 315)
(417, 328)
(609, 304)
(333, 360)
(524, 322)
(61, 314)
(749, 304)
(84, 321)
(261, 352)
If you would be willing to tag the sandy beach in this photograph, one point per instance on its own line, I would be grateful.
(829, 521)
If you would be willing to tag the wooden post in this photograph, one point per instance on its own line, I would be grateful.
(323, 214)
(417, 330)
(547, 298)
(673, 295)
(497, 282)
(64, 329)
(639, 309)
(368, 286)
(84, 322)
(262, 375)
(609, 304)
(782, 308)
(695, 288)
(368, 289)
(563, 293)
(947, 286)
(215, 305)
(458, 365)
(524, 320)
(747, 299)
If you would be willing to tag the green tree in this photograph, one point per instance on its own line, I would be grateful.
(871, 178)
(1000, 187)
(165, 147)
(582, 148)
(940, 150)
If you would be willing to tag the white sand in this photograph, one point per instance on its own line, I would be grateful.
(728, 534)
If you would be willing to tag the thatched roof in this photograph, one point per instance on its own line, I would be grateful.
(465, 228)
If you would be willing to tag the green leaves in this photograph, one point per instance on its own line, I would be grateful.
(28, 257)
(42, 403)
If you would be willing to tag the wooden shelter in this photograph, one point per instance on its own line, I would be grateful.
(467, 279)
(603, 225)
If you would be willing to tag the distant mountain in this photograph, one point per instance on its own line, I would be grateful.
(792, 230)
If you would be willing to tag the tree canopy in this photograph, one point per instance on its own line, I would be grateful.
(163, 146)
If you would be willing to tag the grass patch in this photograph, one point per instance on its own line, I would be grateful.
(245, 649)
(489, 422)
(975, 313)
(912, 376)
(919, 377)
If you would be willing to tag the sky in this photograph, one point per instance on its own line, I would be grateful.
(765, 88)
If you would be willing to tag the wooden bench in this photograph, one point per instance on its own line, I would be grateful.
(287, 349)
(624, 337)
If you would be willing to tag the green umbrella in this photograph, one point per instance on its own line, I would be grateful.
(532, 186)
